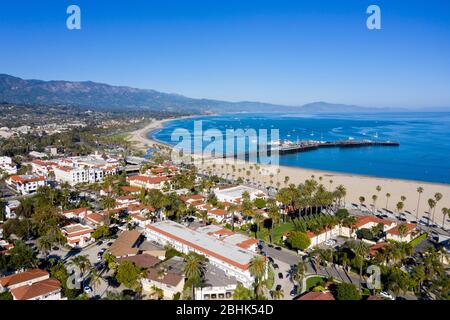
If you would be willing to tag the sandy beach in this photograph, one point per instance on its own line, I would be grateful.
(356, 185)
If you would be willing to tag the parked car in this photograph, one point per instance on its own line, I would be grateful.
(99, 243)
(278, 248)
(278, 287)
(280, 275)
(55, 248)
(294, 291)
(275, 266)
(87, 289)
(386, 295)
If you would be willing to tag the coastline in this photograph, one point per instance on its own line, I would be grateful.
(356, 185)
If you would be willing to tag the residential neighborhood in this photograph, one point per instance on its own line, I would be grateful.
(86, 228)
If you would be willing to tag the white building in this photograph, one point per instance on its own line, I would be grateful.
(10, 209)
(232, 259)
(147, 182)
(78, 235)
(32, 284)
(26, 184)
(217, 285)
(7, 166)
(88, 169)
(234, 194)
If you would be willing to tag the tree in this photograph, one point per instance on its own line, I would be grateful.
(419, 191)
(299, 273)
(81, 262)
(21, 256)
(437, 197)
(445, 212)
(298, 240)
(108, 203)
(257, 269)
(128, 274)
(374, 200)
(361, 202)
(361, 250)
(194, 270)
(277, 294)
(402, 231)
(6, 296)
(101, 232)
(347, 291)
(431, 204)
(388, 195)
(400, 205)
(242, 293)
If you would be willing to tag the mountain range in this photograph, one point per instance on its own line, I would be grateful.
(100, 96)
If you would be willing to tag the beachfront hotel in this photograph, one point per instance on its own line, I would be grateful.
(230, 258)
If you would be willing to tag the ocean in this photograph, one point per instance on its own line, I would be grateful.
(423, 154)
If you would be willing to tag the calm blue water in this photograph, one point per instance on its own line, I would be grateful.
(424, 152)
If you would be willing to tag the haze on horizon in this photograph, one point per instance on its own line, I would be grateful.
(283, 52)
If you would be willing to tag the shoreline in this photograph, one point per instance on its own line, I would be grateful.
(357, 185)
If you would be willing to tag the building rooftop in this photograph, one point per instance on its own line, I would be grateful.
(36, 289)
(215, 277)
(204, 243)
(126, 244)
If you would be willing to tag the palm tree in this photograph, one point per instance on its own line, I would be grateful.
(299, 274)
(44, 244)
(388, 195)
(361, 201)
(431, 204)
(374, 199)
(400, 206)
(278, 294)
(445, 212)
(95, 278)
(81, 262)
(231, 210)
(108, 203)
(194, 269)
(419, 191)
(257, 269)
(361, 250)
(402, 230)
(437, 197)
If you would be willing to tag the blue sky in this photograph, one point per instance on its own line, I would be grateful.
(289, 52)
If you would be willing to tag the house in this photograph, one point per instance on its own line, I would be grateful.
(218, 215)
(125, 201)
(78, 235)
(326, 295)
(32, 284)
(96, 219)
(234, 194)
(42, 167)
(365, 222)
(147, 182)
(7, 166)
(131, 190)
(140, 214)
(143, 261)
(5, 246)
(217, 285)
(126, 245)
(167, 276)
(395, 234)
(26, 184)
(322, 236)
(10, 209)
(79, 213)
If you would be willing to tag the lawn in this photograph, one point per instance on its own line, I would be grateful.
(418, 240)
(277, 232)
(313, 282)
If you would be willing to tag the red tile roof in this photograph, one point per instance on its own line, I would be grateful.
(317, 296)
(22, 277)
(37, 289)
(395, 231)
(363, 220)
(149, 180)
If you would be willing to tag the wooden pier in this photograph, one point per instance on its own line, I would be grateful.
(303, 146)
